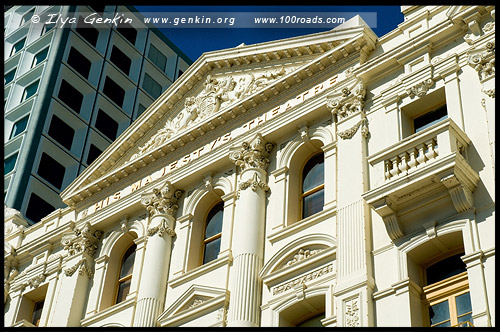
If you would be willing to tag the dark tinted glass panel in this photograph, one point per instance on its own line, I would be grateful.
(38, 208)
(128, 262)
(30, 90)
(40, 56)
(26, 17)
(19, 127)
(61, 132)
(151, 86)
(51, 170)
(37, 313)
(94, 152)
(430, 118)
(463, 304)
(128, 32)
(140, 109)
(123, 290)
(106, 125)
(312, 322)
(18, 46)
(87, 31)
(440, 313)
(214, 221)
(114, 91)
(212, 249)
(444, 269)
(313, 174)
(9, 77)
(47, 27)
(70, 96)
(79, 62)
(9, 163)
(120, 60)
(312, 203)
(157, 57)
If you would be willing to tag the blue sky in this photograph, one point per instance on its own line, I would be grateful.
(194, 41)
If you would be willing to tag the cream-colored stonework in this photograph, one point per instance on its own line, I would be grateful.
(238, 128)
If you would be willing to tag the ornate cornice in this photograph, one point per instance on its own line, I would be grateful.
(420, 89)
(163, 200)
(253, 154)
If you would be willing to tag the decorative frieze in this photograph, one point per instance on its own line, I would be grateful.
(162, 200)
(303, 279)
(253, 154)
(301, 255)
(351, 312)
(420, 89)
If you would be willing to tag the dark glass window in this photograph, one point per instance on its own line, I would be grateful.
(140, 109)
(94, 152)
(430, 118)
(26, 17)
(151, 86)
(51, 170)
(70, 96)
(37, 313)
(444, 269)
(17, 46)
(313, 186)
(213, 229)
(128, 32)
(106, 125)
(30, 90)
(47, 27)
(125, 278)
(9, 163)
(114, 91)
(157, 57)
(19, 126)
(87, 31)
(180, 73)
(40, 56)
(79, 62)
(38, 208)
(120, 59)
(9, 76)
(61, 132)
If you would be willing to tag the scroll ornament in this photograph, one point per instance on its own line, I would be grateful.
(83, 240)
(484, 61)
(163, 200)
(253, 154)
(350, 101)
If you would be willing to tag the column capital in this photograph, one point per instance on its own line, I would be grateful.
(163, 200)
(252, 154)
(84, 239)
(351, 100)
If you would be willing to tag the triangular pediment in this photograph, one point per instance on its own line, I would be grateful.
(217, 88)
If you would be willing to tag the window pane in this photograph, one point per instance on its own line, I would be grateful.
(312, 204)
(79, 62)
(463, 304)
(51, 170)
(37, 313)
(38, 208)
(87, 31)
(123, 290)
(106, 125)
(17, 46)
(27, 16)
(127, 31)
(9, 163)
(128, 262)
(47, 27)
(151, 86)
(114, 91)
(312, 322)
(211, 250)
(120, 60)
(70, 96)
(39, 57)
(430, 118)
(157, 57)
(19, 127)
(313, 174)
(61, 132)
(214, 221)
(439, 312)
(444, 269)
(30, 90)
(9, 77)
(94, 152)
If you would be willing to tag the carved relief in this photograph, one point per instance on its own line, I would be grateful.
(351, 314)
(483, 61)
(83, 240)
(350, 101)
(82, 267)
(349, 133)
(163, 200)
(301, 255)
(161, 229)
(420, 89)
(253, 154)
(302, 280)
(253, 183)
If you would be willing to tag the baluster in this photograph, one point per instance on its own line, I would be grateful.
(395, 169)
(413, 158)
(421, 154)
(431, 153)
(403, 165)
(388, 167)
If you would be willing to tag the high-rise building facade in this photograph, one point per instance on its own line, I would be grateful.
(72, 86)
(335, 179)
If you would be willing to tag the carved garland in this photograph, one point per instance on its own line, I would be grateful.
(161, 229)
(349, 133)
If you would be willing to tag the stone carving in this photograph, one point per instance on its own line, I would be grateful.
(301, 255)
(82, 240)
(36, 280)
(163, 200)
(161, 229)
(82, 267)
(483, 61)
(490, 93)
(349, 133)
(253, 183)
(350, 101)
(420, 89)
(253, 154)
(217, 93)
(488, 27)
(10, 269)
(303, 279)
(351, 315)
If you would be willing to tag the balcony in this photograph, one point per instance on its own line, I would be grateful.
(417, 167)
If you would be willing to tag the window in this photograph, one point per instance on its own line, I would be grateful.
(38, 208)
(128, 32)
(94, 152)
(30, 90)
(312, 197)
(87, 31)
(37, 312)
(114, 91)
(106, 125)
(47, 27)
(61, 132)
(125, 278)
(151, 86)
(212, 235)
(180, 73)
(26, 17)
(79, 62)
(17, 46)
(447, 293)
(9, 76)
(157, 57)
(140, 109)
(120, 60)
(430, 118)
(19, 127)
(51, 170)
(70, 96)
(40, 56)
(98, 8)
(9, 163)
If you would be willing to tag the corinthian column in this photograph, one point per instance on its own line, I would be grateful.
(248, 237)
(161, 205)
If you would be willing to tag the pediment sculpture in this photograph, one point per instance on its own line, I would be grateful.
(217, 93)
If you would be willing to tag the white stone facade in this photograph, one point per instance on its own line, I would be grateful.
(238, 127)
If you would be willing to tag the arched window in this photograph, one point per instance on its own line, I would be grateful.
(447, 293)
(212, 234)
(125, 277)
(313, 185)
